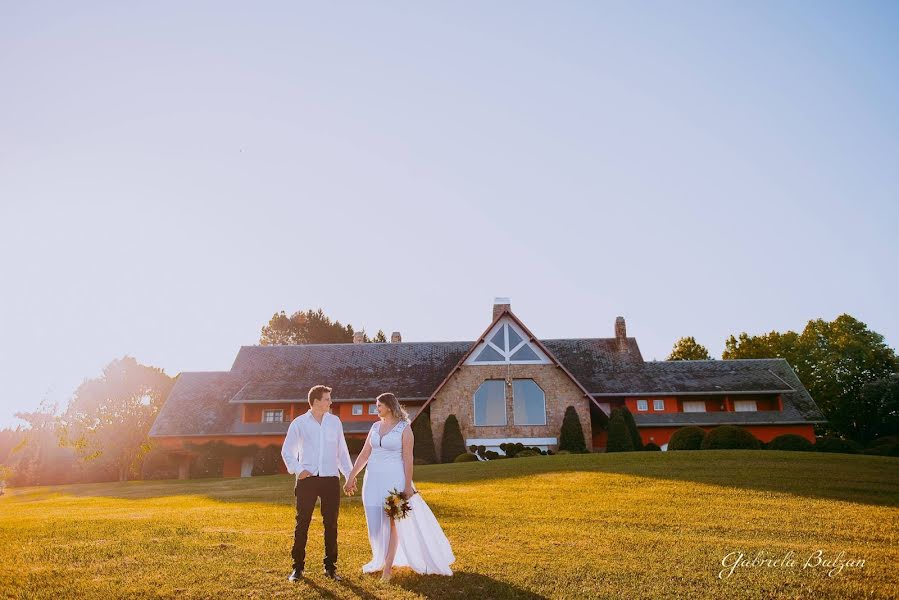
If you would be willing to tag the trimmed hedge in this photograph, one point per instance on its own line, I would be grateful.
(729, 437)
(527, 452)
(791, 442)
(687, 438)
(884, 446)
(453, 445)
(651, 447)
(620, 439)
(836, 445)
(423, 447)
(467, 457)
(571, 437)
(636, 440)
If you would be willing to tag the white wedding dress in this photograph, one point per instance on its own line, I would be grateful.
(422, 543)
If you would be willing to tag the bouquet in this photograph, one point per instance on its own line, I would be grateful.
(396, 506)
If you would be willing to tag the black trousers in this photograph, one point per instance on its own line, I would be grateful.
(307, 491)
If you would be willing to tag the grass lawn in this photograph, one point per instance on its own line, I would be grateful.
(635, 525)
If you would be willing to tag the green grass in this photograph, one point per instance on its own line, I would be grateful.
(635, 525)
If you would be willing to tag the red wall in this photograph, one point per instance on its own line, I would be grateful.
(766, 433)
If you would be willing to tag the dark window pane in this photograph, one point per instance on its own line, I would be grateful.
(525, 353)
(529, 403)
(489, 354)
(499, 339)
(514, 339)
(490, 403)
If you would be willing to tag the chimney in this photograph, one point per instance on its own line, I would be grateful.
(395, 337)
(499, 305)
(357, 337)
(621, 334)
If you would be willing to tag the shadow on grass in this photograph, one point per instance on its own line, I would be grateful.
(872, 480)
(462, 585)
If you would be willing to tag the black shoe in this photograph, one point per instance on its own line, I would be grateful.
(296, 575)
(332, 574)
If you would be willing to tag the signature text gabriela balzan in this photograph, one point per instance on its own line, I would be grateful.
(834, 564)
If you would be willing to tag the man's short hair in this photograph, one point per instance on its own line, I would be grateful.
(316, 392)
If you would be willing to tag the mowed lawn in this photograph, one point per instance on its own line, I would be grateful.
(635, 525)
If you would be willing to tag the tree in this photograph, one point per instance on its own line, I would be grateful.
(620, 439)
(686, 348)
(877, 410)
(37, 458)
(834, 360)
(380, 337)
(571, 438)
(109, 417)
(423, 448)
(636, 440)
(452, 445)
(309, 327)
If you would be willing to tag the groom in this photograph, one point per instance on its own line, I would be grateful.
(314, 450)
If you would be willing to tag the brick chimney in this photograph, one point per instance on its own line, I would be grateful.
(499, 305)
(621, 334)
(357, 337)
(395, 337)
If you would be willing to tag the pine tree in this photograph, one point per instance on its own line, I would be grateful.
(571, 438)
(424, 438)
(619, 437)
(453, 445)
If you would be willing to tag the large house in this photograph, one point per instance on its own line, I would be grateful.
(507, 385)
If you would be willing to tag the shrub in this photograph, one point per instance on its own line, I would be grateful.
(837, 445)
(158, 464)
(652, 447)
(729, 437)
(466, 457)
(620, 439)
(790, 441)
(267, 461)
(527, 452)
(453, 445)
(687, 438)
(884, 446)
(423, 448)
(492, 455)
(571, 437)
(636, 440)
(513, 450)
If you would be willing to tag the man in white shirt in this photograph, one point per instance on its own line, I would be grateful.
(315, 450)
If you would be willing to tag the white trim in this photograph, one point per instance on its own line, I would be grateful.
(542, 359)
(372, 409)
(645, 405)
(655, 405)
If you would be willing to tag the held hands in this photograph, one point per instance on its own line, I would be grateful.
(349, 487)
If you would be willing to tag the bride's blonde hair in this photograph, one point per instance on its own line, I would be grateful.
(396, 409)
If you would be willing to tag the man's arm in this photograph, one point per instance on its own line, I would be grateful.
(290, 449)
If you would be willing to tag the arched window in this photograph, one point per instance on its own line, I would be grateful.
(490, 403)
(528, 402)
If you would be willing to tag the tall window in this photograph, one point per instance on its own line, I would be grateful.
(528, 403)
(273, 415)
(745, 406)
(490, 403)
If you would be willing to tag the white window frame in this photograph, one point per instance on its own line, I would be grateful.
(542, 391)
(372, 409)
(357, 410)
(504, 325)
(273, 411)
(745, 406)
(642, 405)
(694, 405)
(658, 405)
(474, 407)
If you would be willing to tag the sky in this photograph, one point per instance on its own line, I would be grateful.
(172, 175)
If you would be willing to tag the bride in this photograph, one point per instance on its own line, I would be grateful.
(416, 541)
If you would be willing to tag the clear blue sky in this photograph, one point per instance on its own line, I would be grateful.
(171, 176)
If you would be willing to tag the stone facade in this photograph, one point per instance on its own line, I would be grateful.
(457, 397)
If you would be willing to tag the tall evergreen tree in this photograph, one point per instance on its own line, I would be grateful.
(424, 438)
(620, 439)
(636, 440)
(452, 443)
(571, 437)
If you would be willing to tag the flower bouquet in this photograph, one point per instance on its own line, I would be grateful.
(396, 505)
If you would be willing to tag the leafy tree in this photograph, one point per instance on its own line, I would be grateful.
(834, 360)
(453, 445)
(37, 458)
(620, 439)
(108, 418)
(309, 327)
(686, 348)
(423, 448)
(876, 412)
(571, 438)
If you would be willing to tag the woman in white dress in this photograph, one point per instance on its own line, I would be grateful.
(417, 541)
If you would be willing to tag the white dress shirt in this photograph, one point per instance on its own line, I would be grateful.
(319, 448)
